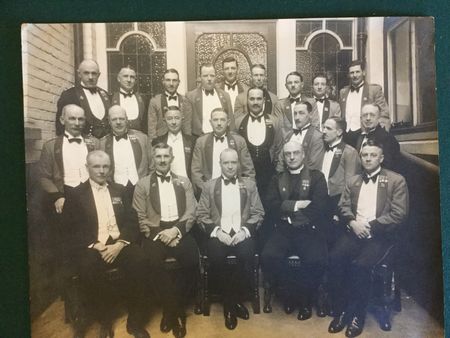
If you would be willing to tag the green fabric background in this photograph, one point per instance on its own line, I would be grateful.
(14, 319)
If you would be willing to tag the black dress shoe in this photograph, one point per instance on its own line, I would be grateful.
(230, 320)
(165, 325)
(138, 332)
(179, 327)
(289, 308)
(106, 331)
(304, 313)
(321, 311)
(355, 328)
(241, 311)
(338, 323)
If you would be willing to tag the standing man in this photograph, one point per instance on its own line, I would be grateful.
(259, 79)
(128, 149)
(165, 206)
(206, 157)
(284, 108)
(130, 100)
(305, 133)
(371, 130)
(374, 205)
(323, 107)
(101, 227)
(230, 84)
(296, 198)
(207, 98)
(352, 98)
(230, 212)
(182, 145)
(94, 101)
(158, 106)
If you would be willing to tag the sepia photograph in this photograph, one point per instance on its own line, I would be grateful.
(236, 178)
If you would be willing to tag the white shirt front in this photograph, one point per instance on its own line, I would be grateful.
(174, 101)
(231, 207)
(168, 200)
(232, 92)
(218, 147)
(131, 106)
(256, 131)
(300, 136)
(328, 158)
(366, 210)
(95, 103)
(107, 224)
(74, 161)
(320, 112)
(178, 165)
(299, 97)
(353, 109)
(209, 103)
(124, 162)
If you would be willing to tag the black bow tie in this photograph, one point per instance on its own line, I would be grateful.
(124, 136)
(172, 97)
(300, 131)
(164, 178)
(292, 100)
(221, 138)
(366, 178)
(209, 92)
(231, 86)
(130, 94)
(229, 180)
(73, 139)
(328, 148)
(92, 90)
(353, 89)
(322, 100)
(256, 118)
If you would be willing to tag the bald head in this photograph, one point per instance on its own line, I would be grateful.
(118, 120)
(88, 72)
(229, 162)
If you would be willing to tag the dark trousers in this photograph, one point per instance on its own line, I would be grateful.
(102, 294)
(310, 245)
(173, 288)
(232, 280)
(350, 271)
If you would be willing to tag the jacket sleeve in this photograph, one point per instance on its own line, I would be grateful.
(345, 205)
(247, 168)
(256, 211)
(196, 167)
(140, 205)
(315, 153)
(46, 173)
(152, 119)
(203, 213)
(187, 117)
(130, 232)
(239, 105)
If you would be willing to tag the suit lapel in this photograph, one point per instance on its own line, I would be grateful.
(240, 87)
(326, 111)
(84, 102)
(359, 142)
(88, 204)
(109, 143)
(356, 190)
(141, 105)
(223, 101)
(287, 111)
(209, 147)
(365, 94)
(116, 98)
(284, 188)
(137, 150)
(381, 192)
(243, 194)
(343, 101)
(58, 154)
(199, 106)
(308, 137)
(179, 194)
(187, 148)
(336, 158)
(268, 102)
(218, 195)
(154, 195)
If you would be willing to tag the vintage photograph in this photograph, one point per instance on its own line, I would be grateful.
(241, 178)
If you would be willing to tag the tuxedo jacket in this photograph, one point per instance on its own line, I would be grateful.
(242, 87)
(142, 151)
(284, 112)
(281, 198)
(391, 147)
(156, 111)
(140, 123)
(202, 166)
(330, 109)
(188, 146)
(196, 99)
(372, 93)
(80, 219)
(240, 106)
(51, 165)
(312, 145)
(345, 164)
(75, 95)
(392, 202)
(209, 209)
(147, 203)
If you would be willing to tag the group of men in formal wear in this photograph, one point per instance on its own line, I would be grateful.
(303, 176)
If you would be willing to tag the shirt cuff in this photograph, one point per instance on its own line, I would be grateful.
(296, 206)
(247, 232)
(214, 232)
(91, 246)
(123, 241)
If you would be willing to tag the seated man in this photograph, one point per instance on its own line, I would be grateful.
(374, 205)
(100, 227)
(165, 205)
(230, 212)
(296, 199)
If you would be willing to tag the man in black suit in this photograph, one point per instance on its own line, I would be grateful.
(100, 228)
(130, 100)
(371, 130)
(296, 198)
(182, 144)
(94, 101)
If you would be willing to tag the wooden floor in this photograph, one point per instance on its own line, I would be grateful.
(412, 321)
